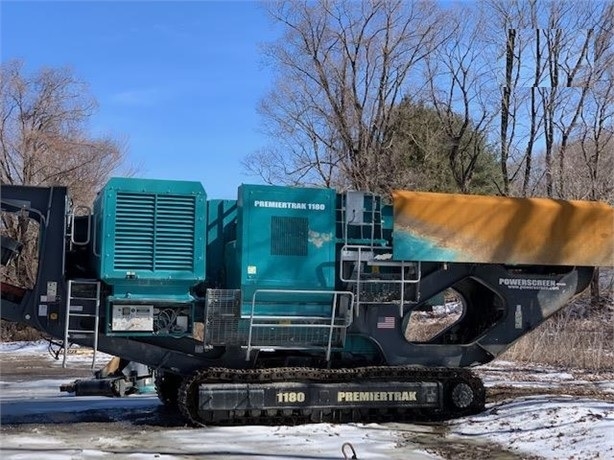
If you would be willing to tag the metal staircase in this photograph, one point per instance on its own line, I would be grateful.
(82, 314)
(366, 261)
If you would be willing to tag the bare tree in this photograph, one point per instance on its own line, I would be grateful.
(520, 67)
(44, 137)
(534, 117)
(509, 19)
(551, 55)
(523, 75)
(590, 152)
(578, 55)
(510, 47)
(44, 140)
(342, 66)
(455, 73)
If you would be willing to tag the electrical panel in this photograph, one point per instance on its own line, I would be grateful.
(133, 318)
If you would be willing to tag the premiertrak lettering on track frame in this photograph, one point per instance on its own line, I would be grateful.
(370, 396)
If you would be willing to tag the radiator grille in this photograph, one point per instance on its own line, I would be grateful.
(154, 232)
(289, 236)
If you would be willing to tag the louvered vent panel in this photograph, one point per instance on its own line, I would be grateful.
(134, 231)
(175, 222)
(154, 232)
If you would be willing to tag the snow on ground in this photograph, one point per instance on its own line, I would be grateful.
(321, 441)
(533, 375)
(559, 427)
(543, 422)
(553, 426)
(41, 422)
(23, 347)
(75, 354)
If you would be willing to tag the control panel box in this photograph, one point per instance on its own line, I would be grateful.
(132, 318)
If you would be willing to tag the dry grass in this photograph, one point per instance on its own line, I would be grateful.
(579, 336)
(423, 327)
(568, 339)
(13, 332)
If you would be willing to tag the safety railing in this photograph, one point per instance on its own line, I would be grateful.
(85, 212)
(360, 216)
(377, 279)
(324, 326)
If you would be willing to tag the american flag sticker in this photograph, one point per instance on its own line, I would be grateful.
(385, 322)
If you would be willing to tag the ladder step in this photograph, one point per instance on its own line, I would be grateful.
(76, 306)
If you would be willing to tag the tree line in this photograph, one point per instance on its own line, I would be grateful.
(503, 97)
(500, 96)
(508, 97)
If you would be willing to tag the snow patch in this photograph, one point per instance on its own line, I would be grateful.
(552, 427)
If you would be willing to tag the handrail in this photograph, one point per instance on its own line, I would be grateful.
(95, 240)
(384, 263)
(372, 260)
(71, 217)
(331, 326)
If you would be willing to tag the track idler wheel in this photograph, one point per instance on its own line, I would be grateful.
(464, 397)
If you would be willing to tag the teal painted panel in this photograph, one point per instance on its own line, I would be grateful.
(286, 240)
(360, 345)
(151, 232)
(420, 248)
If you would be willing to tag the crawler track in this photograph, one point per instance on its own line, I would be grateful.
(451, 379)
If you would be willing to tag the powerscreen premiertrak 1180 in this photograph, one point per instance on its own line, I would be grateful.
(293, 304)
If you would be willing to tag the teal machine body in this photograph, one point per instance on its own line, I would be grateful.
(278, 305)
(150, 249)
(255, 272)
(285, 243)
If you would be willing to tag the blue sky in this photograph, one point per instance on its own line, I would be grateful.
(180, 80)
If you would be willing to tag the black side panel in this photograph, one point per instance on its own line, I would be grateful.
(40, 307)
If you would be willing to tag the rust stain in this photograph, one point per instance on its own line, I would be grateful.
(493, 229)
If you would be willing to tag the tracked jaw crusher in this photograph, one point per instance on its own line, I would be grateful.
(299, 304)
